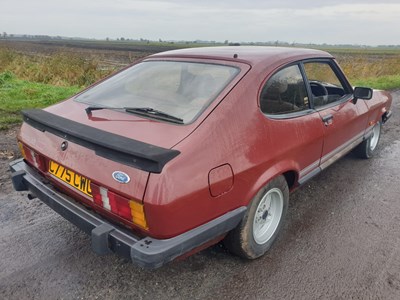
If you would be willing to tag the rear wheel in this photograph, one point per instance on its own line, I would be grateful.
(368, 147)
(263, 221)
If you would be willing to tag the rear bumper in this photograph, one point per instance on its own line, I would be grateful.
(107, 237)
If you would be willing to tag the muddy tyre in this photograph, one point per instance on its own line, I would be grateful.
(368, 147)
(262, 222)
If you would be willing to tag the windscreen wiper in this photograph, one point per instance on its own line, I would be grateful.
(153, 112)
(147, 111)
(89, 109)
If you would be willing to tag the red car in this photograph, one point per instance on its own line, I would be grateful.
(189, 147)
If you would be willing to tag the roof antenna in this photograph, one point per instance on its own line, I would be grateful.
(235, 55)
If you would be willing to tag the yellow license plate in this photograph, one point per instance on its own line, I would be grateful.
(77, 181)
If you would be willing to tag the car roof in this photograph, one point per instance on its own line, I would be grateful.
(252, 55)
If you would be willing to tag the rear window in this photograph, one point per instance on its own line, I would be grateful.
(180, 89)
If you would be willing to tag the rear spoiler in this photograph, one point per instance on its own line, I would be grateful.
(112, 146)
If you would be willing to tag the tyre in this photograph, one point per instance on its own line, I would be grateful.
(368, 147)
(262, 222)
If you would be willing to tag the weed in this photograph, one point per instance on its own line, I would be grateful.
(373, 69)
(62, 69)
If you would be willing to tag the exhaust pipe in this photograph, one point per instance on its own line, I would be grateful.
(31, 196)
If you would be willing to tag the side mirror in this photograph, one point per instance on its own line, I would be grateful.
(362, 93)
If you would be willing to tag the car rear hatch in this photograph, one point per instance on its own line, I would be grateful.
(96, 164)
(100, 154)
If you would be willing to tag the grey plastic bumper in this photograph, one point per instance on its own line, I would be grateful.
(386, 116)
(106, 237)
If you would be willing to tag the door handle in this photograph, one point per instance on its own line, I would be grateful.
(327, 119)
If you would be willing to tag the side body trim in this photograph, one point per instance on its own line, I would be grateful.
(319, 165)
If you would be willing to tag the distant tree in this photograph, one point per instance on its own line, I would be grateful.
(160, 40)
(4, 34)
(107, 39)
(122, 39)
(226, 42)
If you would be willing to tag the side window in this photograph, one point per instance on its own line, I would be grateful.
(284, 92)
(325, 84)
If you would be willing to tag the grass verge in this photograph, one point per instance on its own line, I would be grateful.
(62, 69)
(389, 82)
(16, 94)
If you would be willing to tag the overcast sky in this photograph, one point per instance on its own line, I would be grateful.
(363, 22)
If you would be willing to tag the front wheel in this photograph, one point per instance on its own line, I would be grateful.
(263, 221)
(368, 147)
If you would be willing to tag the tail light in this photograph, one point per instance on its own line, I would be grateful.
(35, 159)
(21, 148)
(128, 209)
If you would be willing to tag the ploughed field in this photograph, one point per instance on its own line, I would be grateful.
(114, 54)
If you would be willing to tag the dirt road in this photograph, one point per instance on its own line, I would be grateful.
(341, 241)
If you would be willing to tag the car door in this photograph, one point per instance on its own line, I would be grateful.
(332, 97)
(293, 126)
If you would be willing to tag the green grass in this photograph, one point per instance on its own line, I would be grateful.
(16, 94)
(389, 82)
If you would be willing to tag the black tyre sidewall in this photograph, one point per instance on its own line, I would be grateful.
(249, 246)
(363, 150)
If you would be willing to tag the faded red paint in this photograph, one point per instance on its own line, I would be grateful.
(232, 132)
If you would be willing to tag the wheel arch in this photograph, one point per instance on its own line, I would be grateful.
(291, 177)
(288, 169)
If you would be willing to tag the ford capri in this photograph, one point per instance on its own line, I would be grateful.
(191, 147)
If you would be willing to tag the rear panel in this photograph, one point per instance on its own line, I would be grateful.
(80, 164)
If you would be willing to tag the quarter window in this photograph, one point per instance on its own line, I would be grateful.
(284, 92)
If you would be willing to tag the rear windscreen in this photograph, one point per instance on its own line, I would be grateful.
(180, 89)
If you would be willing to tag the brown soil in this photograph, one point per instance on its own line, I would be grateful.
(8, 152)
(108, 54)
